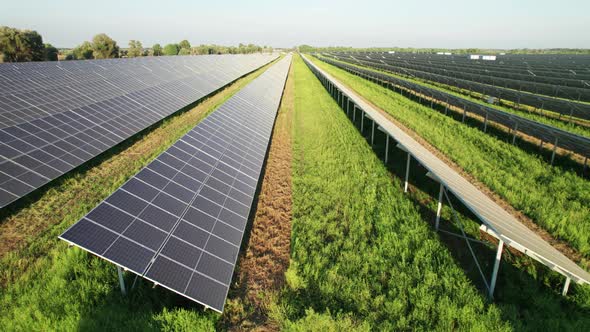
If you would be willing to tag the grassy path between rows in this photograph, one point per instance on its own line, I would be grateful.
(361, 257)
(555, 199)
(46, 286)
(526, 291)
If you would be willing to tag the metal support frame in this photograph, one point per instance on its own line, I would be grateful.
(373, 133)
(407, 172)
(566, 286)
(354, 115)
(386, 147)
(362, 120)
(121, 280)
(554, 149)
(496, 268)
(485, 123)
(439, 207)
(514, 133)
(348, 109)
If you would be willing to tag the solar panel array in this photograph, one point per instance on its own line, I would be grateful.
(179, 222)
(54, 116)
(565, 107)
(566, 140)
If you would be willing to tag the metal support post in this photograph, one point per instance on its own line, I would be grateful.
(439, 208)
(496, 268)
(566, 286)
(554, 149)
(514, 133)
(485, 123)
(373, 133)
(407, 172)
(362, 120)
(348, 109)
(354, 115)
(386, 147)
(121, 281)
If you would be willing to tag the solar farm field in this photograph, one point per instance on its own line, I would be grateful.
(210, 187)
(520, 177)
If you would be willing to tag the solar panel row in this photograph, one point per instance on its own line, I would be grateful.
(566, 140)
(56, 116)
(179, 222)
(567, 108)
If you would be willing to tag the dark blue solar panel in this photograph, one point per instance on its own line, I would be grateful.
(54, 116)
(180, 221)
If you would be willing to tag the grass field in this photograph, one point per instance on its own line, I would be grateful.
(361, 255)
(555, 199)
(547, 117)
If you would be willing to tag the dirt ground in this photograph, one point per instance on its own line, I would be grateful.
(262, 266)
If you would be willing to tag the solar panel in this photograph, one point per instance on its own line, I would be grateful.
(179, 222)
(54, 116)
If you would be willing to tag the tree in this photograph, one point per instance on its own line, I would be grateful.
(83, 51)
(104, 47)
(184, 44)
(157, 50)
(21, 45)
(170, 49)
(184, 51)
(50, 53)
(135, 49)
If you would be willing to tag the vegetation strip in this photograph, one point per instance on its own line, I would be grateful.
(516, 289)
(361, 255)
(557, 200)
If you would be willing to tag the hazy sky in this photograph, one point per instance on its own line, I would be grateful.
(426, 23)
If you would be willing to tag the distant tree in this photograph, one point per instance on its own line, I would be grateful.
(21, 45)
(70, 56)
(104, 47)
(135, 49)
(83, 51)
(50, 52)
(170, 49)
(184, 51)
(184, 44)
(156, 50)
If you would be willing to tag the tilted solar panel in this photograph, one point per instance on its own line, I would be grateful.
(56, 116)
(179, 222)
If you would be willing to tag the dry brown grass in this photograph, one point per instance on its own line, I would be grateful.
(262, 267)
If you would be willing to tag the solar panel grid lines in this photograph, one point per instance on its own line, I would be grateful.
(565, 107)
(179, 222)
(566, 140)
(68, 113)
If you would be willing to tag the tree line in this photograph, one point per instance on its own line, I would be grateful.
(26, 45)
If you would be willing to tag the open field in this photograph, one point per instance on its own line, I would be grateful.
(555, 199)
(332, 241)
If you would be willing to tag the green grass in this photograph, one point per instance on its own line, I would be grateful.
(362, 258)
(548, 120)
(556, 199)
(47, 286)
(526, 291)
